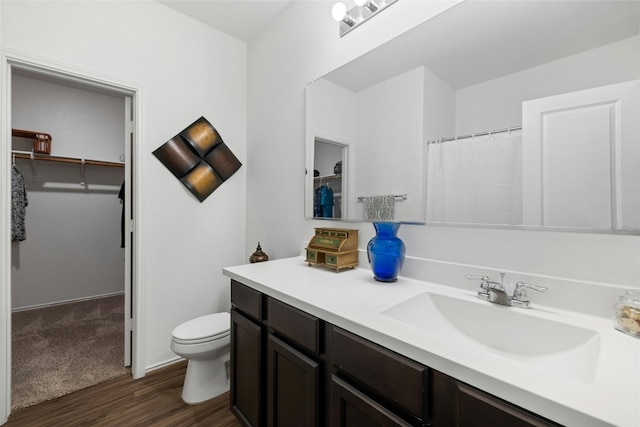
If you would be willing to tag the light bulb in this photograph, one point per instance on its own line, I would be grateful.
(338, 11)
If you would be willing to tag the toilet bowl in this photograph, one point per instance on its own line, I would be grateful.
(205, 342)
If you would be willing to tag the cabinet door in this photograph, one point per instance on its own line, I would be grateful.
(293, 380)
(478, 409)
(247, 373)
(351, 408)
(456, 404)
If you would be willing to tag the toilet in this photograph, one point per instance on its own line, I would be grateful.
(205, 342)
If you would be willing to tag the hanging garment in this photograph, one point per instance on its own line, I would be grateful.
(19, 203)
(121, 197)
(317, 203)
(326, 200)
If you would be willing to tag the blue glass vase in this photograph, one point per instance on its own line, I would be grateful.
(386, 252)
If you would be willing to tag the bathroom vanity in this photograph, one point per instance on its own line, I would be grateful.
(311, 348)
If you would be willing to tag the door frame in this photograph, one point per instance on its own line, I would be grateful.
(133, 172)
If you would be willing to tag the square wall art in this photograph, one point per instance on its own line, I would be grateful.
(199, 158)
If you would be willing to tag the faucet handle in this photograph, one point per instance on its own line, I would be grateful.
(520, 293)
(477, 277)
(483, 293)
(485, 281)
(523, 285)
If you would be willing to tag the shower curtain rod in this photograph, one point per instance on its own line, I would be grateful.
(473, 135)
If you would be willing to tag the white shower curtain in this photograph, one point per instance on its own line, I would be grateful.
(476, 180)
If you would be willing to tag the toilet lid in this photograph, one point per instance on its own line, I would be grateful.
(210, 326)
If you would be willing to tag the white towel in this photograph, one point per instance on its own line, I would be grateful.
(379, 208)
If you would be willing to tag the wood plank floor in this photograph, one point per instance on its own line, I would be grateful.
(151, 401)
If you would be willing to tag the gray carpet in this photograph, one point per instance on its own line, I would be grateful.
(61, 349)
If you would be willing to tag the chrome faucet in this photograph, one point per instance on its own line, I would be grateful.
(495, 292)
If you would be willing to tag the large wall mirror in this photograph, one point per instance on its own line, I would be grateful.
(493, 113)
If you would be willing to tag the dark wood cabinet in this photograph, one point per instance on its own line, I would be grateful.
(247, 370)
(293, 387)
(397, 382)
(290, 368)
(276, 366)
(353, 408)
(456, 404)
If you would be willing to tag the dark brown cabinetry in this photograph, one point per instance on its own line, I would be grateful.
(458, 404)
(276, 362)
(353, 408)
(247, 372)
(293, 383)
(394, 381)
(289, 368)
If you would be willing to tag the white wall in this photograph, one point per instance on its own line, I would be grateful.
(72, 250)
(184, 70)
(306, 42)
(326, 156)
(388, 149)
(497, 104)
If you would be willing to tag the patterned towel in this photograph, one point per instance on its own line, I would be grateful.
(379, 208)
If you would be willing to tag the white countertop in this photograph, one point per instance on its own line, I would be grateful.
(353, 300)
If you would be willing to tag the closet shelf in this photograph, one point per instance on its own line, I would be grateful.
(41, 140)
(327, 177)
(24, 155)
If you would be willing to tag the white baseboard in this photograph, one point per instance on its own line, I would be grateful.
(53, 304)
(163, 364)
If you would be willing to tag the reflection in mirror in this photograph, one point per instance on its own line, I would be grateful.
(538, 110)
(328, 190)
(382, 126)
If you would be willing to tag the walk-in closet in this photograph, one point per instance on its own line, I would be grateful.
(68, 254)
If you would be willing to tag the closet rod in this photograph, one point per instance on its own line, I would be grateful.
(473, 135)
(29, 155)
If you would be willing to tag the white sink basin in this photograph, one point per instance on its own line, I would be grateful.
(557, 347)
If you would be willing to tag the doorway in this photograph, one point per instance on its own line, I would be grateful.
(18, 68)
(329, 178)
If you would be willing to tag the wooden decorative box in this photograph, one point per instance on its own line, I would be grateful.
(335, 248)
(41, 141)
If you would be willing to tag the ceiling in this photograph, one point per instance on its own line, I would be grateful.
(242, 19)
(458, 46)
(476, 41)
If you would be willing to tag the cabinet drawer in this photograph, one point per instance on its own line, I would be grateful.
(396, 380)
(295, 324)
(246, 300)
(331, 260)
(312, 256)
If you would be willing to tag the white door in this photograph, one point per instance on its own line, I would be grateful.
(583, 143)
(128, 231)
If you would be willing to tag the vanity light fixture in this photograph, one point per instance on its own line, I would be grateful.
(361, 12)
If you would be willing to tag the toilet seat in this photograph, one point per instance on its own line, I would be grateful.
(203, 329)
